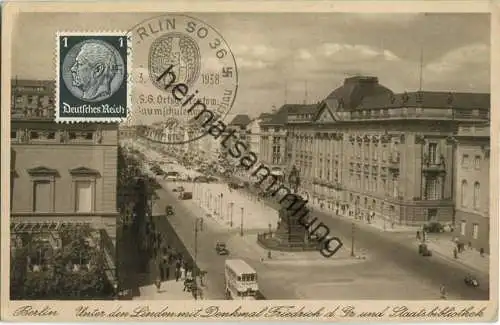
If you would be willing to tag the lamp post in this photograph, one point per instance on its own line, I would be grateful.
(198, 226)
(220, 205)
(241, 222)
(231, 215)
(352, 239)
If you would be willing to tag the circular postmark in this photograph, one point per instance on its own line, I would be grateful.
(93, 70)
(184, 77)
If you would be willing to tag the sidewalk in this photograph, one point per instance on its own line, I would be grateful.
(169, 290)
(469, 257)
(377, 223)
(343, 256)
(256, 214)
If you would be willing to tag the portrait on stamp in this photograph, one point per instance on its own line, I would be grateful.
(92, 72)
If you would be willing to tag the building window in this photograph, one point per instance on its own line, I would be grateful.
(432, 152)
(477, 162)
(477, 189)
(13, 134)
(34, 135)
(84, 189)
(83, 196)
(51, 135)
(465, 161)
(89, 136)
(463, 193)
(475, 231)
(463, 226)
(431, 189)
(41, 196)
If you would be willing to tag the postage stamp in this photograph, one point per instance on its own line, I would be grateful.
(185, 78)
(92, 70)
(315, 161)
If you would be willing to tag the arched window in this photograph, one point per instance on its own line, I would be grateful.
(477, 190)
(463, 192)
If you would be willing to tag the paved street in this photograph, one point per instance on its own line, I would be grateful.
(390, 266)
(402, 249)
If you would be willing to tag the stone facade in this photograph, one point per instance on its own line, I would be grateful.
(61, 172)
(366, 150)
(472, 156)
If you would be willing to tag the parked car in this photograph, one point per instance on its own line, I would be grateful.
(424, 250)
(178, 189)
(433, 227)
(234, 185)
(212, 179)
(221, 248)
(201, 179)
(185, 195)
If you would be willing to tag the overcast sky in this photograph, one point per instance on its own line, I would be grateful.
(272, 50)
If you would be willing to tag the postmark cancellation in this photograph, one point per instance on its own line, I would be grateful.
(92, 70)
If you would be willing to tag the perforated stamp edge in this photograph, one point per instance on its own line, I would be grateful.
(129, 79)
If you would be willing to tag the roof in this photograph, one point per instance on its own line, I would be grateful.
(298, 108)
(281, 116)
(241, 120)
(430, 99)
(355, 89)
(240, 266)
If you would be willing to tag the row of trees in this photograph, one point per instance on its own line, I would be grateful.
(74, 270)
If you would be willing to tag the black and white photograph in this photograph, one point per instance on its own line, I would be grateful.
(293, 156)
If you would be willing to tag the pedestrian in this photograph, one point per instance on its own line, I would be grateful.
(164, 267)
(455, 253)
(158, 284)
(177, 274)
(183, 272)
(442, 291)
(418, 235)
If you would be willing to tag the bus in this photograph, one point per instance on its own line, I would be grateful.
(241, 280)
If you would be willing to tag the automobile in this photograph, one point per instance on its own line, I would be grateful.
(169, 210)
(185, 195)
(221, 248)
(178, 189)
(201, 179)
(172, 176)
(212, 179)
(234, 186)
(433, 227)
(424, 250)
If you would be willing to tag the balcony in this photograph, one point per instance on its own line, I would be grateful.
(434, 166)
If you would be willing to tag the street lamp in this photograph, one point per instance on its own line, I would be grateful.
(231, 215)
(220, 205)
(198, 223)
(241, 222)
(352, 239)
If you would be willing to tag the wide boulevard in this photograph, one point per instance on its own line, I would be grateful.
(393, 269)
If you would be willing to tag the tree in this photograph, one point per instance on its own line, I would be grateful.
(58, 278)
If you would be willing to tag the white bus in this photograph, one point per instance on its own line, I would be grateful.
(241, 280)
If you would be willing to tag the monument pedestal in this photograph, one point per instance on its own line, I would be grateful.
(290, 235)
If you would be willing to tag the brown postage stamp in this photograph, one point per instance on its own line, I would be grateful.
(250, 161)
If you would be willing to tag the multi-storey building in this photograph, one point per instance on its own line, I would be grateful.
(472, 161)
(127, 132)
(367, 150)
(61, 174)
(275, 151)
(239, 124)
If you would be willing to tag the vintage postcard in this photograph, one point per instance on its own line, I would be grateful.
(250, 161)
